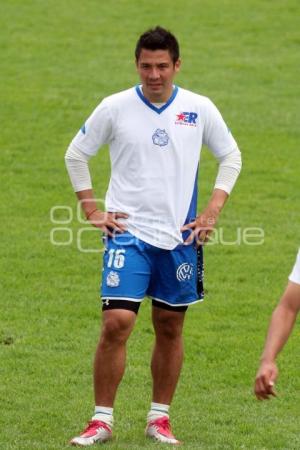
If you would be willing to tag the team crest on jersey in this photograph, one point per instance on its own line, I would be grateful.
(184, 272)
(83, 129)
(113, 279)
(186, 118)
(160, 137)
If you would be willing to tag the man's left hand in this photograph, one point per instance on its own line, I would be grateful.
(202, 227)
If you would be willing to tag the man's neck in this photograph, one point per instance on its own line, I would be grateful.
(159, 98)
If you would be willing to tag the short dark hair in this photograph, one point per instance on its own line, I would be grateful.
(158, 39)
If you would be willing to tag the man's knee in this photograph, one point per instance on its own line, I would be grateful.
(117, 327)
(168, 325)
(169, 331)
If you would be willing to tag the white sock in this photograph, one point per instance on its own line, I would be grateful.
(157, 410)
(104, 414)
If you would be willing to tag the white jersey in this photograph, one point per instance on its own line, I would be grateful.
(154, 157)
(295, 275)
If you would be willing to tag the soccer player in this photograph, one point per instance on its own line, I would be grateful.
(280, 328)
(155, 131)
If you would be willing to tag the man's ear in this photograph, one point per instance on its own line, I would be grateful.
(177, 65)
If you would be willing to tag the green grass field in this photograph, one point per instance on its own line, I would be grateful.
(58, 60)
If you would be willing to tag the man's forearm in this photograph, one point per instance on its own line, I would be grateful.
(280, 328)
(229, 168)
(214, 207)
(78, 169)
(87, 201)
(217, 200)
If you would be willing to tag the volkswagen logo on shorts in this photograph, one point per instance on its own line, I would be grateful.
(185, 272)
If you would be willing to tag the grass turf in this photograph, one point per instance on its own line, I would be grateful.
(58, 60)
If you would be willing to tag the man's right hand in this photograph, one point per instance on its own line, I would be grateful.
(108, 221)
(265, 380)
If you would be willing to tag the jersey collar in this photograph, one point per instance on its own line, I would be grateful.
(153, 107)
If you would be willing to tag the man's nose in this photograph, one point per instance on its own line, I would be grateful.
(154, 74)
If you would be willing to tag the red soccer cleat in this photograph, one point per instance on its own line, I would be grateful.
(160, 430)
(96, 432)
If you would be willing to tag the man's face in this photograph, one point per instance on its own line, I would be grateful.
(157, 71)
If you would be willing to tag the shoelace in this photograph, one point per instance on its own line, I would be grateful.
(93, 425)
(163, 423)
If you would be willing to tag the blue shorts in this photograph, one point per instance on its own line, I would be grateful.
(133, 269)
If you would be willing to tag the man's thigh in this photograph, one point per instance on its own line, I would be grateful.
(177, 277)
(126, 270)
(168, 322)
